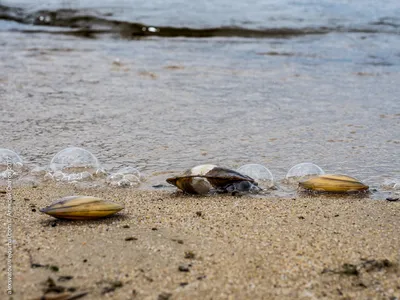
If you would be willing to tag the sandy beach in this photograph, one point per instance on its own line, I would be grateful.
(169, 246)
(153, 88)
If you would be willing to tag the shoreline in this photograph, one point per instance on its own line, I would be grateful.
(165, 245)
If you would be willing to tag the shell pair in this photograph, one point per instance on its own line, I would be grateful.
(81, 208)
(204, 179)
(334, 184)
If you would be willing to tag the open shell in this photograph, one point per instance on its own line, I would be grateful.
(334, 184)
(81, 208)
(204, 178)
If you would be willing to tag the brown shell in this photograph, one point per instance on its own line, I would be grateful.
(217, 177)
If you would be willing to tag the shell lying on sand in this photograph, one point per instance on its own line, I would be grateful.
(334, 184)
(81, 208)
(205, 178)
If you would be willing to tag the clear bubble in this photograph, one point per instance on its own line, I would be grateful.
(125, 177)
(38, 171)
(73, 164)
(259, 173)
(391, 184)
(129, 170)
(8, 157)
(10, 164)
(304, 171)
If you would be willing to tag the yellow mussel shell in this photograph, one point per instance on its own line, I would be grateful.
(81, 208)
(334, 184)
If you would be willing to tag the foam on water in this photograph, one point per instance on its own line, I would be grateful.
(125, 177)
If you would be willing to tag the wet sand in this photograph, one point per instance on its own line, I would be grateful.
(170, 246)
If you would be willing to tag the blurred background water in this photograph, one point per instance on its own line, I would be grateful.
(165, 85)
(249, 14)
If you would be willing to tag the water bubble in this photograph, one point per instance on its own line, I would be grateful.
(10, 164)
(130, 170)
(38, 171)
(73, 164)
(9, 157)
(259, 173)
(303, 171)
(125, 177)
(391, 184)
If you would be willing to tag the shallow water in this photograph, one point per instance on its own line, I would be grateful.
(328, 95)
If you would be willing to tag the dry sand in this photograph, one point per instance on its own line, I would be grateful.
(170, 246)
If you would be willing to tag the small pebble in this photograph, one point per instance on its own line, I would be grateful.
(158, 186)
(190, 255)
(164, 296)
(178, 241)
(183, 268)
(54, 268)
(392, 199)
(65, 278)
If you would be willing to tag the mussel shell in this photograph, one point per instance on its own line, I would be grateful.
(334, 184)
(201, 179)
(192, 185)
(81, 208)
